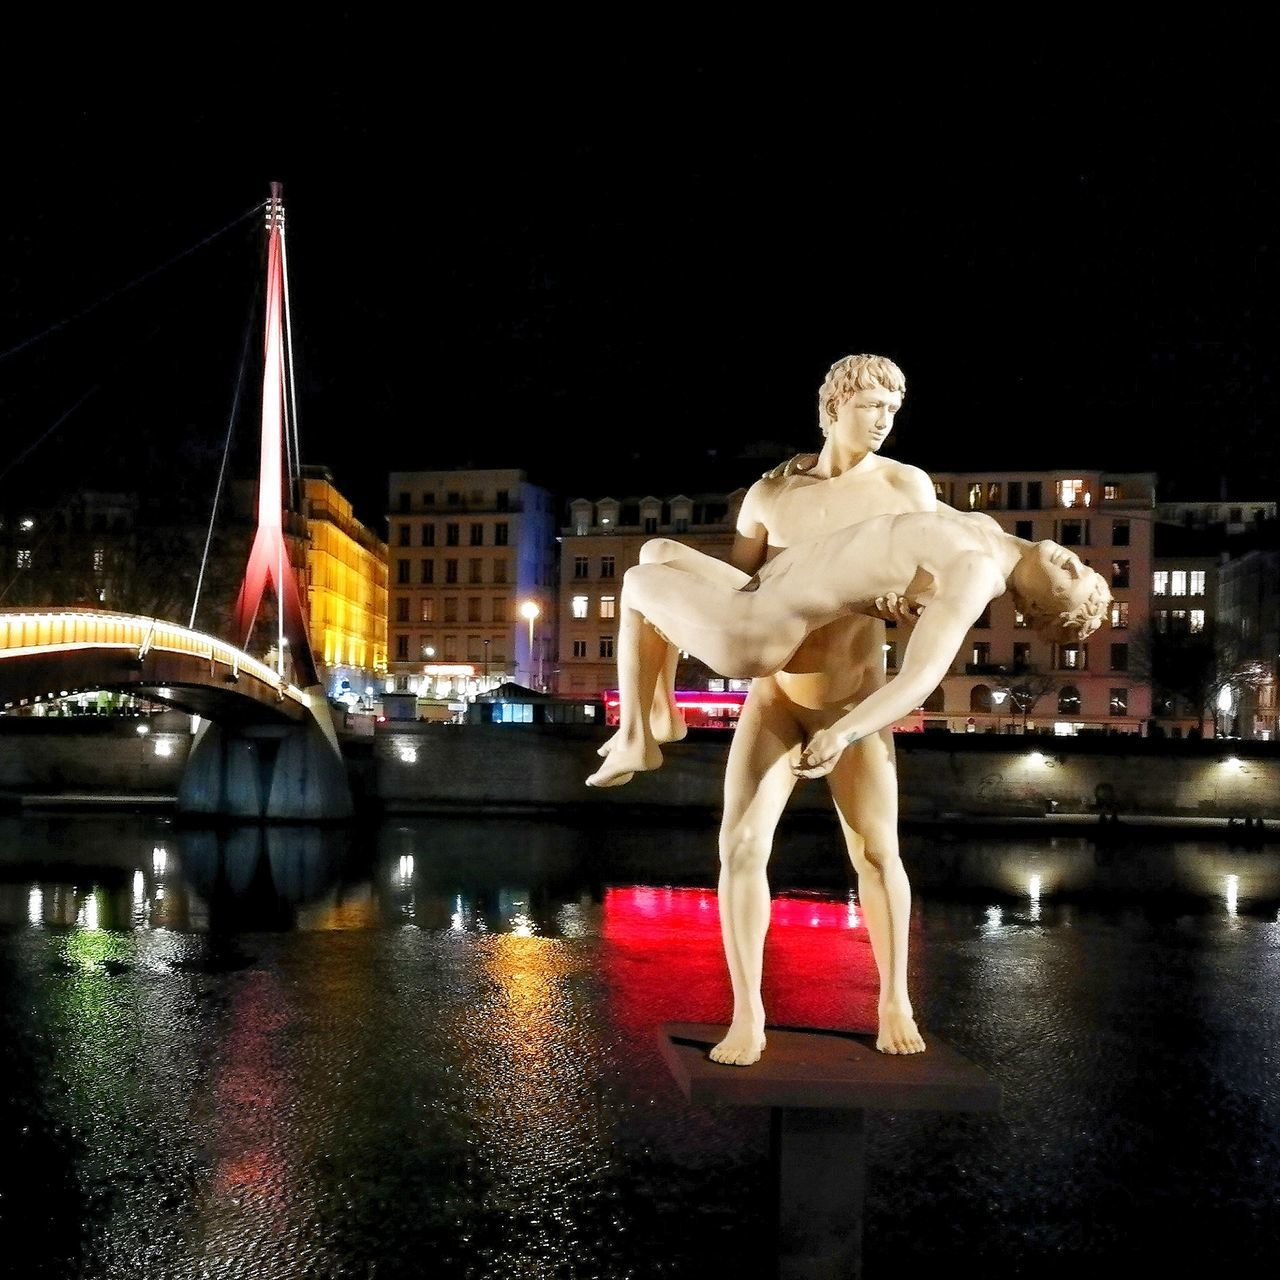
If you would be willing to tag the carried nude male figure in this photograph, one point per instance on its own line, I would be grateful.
(946, 566)
(835, 667)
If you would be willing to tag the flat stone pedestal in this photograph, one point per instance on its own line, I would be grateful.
(818, 1086)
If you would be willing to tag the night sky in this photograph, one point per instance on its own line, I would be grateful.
(620, 274)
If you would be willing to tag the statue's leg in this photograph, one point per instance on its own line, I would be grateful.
(864, 785)
(758, 783)
(665, 721)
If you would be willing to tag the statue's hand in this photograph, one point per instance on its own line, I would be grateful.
(819, 755)
(895, 608)
(792, 467)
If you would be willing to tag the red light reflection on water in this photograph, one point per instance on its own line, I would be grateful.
(663, 961)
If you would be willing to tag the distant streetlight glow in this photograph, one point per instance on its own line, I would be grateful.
(529, 610)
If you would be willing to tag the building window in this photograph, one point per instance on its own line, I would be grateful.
(1015, 496)
(428, 499)
(502, 499)
(1119, 573)
(1111, 492)
(1019, 618)
(1034, 500)
(451, 609)
(606, 646)
(1195, 582)
(579, 648)
(428, 572)
(453, 498)
(1178, 621)
(1069, 700)
(500, 571)
(428, 610)
(1070, 657)
(1197, 621)
(402, 570)
(981, 654)
(1160, 582)
(499, 609)
(404, 532)
(428, 535)
(451, 648)
(402, 648)
(682, 524)
(1021, 654)
(1024, 529)
(1119, 702)
(581, 567)
(475, 570)
(1071, 493)
(1119, 615)
(474, 653)
(451, 535)
(1162, 621)
(975, 497)
(477, 535)
(580, 606)
(608, 607)
(100, 560)
(402, 608)
(606, 566)
(473, 609)
(1119, 533)
(451, 571)
(651, 524)
(1119, 657)
(1072, 533)
(501, 532)
(1178, 582)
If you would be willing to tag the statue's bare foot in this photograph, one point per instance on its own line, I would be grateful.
(623, 760)
(898, 1033)
(663, 729)
(740, 1048)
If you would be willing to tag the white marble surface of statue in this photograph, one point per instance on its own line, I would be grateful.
(823, 552)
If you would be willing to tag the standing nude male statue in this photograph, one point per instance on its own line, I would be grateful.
(945, 566)
(834, 668)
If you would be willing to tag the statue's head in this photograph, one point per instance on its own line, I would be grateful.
(1058, 594)
(853, 374)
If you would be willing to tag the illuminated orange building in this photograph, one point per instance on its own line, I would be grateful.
(347, 585)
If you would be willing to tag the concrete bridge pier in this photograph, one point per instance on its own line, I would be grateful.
(286, 772)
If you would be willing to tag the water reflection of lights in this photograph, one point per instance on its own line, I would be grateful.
(404, 873)
(139, 888)
(995, 918)
(457, 921)
(853, 919)
(35, 905)
(522, 925)
(87, 917)
(159, 859)
(1232, 894)
(571, 921)
(407, 754)
(1033, 892)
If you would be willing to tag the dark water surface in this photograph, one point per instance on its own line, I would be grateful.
(431, 1050)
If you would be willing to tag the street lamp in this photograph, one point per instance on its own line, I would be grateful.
(998, 696)
(529, 609)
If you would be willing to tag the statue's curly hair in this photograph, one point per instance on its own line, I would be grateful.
(856, 373)
(1077, 622)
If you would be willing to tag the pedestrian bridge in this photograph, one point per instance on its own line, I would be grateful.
(45, 655)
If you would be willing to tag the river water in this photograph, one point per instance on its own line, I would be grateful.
(430, 1048)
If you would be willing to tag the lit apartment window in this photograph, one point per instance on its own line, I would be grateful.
(1019, 618)
(606, 646)
(451, 609)
(100, 559)
(501, 532)
(402, 608)
(940, 492)
(1195, 582)
(1197, 621)
(428, 610)
(428, 535)
(1119, 657)
(1071, 493)
(477, 535)
(715, 686)
(608, 607)
(1119, 573)
(1160, 582)
(581, 567)
(1119, 533)
(981, 654)
(1119, 702)
(579, 648)
(1111, 492)
(606, 566)
(1119, 615)
(1178, 582)
(975, 497)
(1070, 657)
(580, 606)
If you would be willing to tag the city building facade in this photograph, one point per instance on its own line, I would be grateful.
(1249, 622)
(472, 583)
(1008, 678)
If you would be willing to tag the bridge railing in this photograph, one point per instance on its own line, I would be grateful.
(31, 631)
